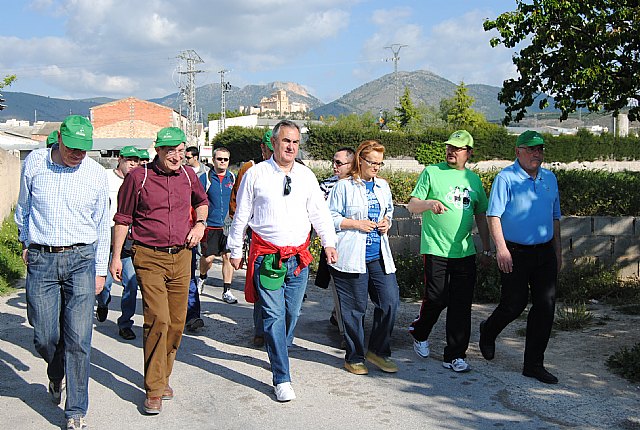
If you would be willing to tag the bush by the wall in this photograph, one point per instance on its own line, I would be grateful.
(11, 265)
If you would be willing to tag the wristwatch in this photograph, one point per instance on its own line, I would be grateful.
(204, 223)
(487, 253)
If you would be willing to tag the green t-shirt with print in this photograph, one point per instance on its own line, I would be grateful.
(460, 191)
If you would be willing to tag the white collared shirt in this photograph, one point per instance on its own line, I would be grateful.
(279, 219)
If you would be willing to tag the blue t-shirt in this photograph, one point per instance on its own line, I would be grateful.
(373, 238)
(526, 206)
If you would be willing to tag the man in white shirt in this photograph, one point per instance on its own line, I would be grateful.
(280, 200)
(128, 159)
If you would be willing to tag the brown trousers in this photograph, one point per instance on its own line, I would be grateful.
(164, 282)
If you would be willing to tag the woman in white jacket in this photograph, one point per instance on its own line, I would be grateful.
(362, 210)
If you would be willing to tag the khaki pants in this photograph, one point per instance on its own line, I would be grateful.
(164, 282)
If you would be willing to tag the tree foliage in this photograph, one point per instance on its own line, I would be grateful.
(228, 114)
(407, 112)
(584, 54)
(7, 80)
(457, 111)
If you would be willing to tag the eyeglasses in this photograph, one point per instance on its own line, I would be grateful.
(532, 149)
(174, 151)
(188, 158)
(454, 149)
(222, 159)
(339, 163)
(287, 185)
(372, 163)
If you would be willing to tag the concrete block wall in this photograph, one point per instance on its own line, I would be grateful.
(612, 240)
(10, 180)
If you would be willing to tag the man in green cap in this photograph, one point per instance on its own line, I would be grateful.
(127, 160)
(449, 196)
(63, 221)
(52, 139)
(144, 156)
(524, 221)
(156, 200)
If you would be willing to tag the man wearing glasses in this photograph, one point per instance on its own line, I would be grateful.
(280, 200)
(192, 159)
(218, 184)
(156, 201)
(449, 196)
(524, 221)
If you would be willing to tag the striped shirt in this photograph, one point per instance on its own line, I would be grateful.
(62, 206)
(327, 184)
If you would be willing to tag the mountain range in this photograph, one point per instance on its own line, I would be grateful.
(424, 87)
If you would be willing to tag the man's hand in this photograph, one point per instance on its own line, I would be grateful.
(116, 269)
(195, 234)
(485, 260)
(100, 280)
(332, 255)
(436, 207)
(505, 263)
(237, 263)
(25, 258)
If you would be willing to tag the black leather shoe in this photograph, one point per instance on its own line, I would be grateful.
(127, 334)
(487, 347)
(101, 313)
(541, 374)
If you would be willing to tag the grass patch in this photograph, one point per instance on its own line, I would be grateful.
(572, 316)
(11, 266)
(626, 363)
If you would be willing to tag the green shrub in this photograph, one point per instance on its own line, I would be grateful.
(572, 316)
(410, 275)
(430, 153)
(587, 280)
(488, 284)
(626, 363)
(11, 264)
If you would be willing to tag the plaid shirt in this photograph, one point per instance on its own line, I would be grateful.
(62, 206)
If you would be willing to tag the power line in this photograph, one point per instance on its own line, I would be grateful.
(189, 91)
(395, 48)
(225, 87)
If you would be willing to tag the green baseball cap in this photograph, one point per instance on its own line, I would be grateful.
(52, 139)
(530, 138)
(143, 154)
(129, 151)
(460, 139)
(266, 139)
(170, 136)
(77, 133)
(271, 277)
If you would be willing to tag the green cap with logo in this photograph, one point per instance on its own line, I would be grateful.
(460, 139)
(129, 151)
(77, 133)
(271, 277)
(530, 138)
(52, 139)
(143, 154)
(170, 136)
(266, 139)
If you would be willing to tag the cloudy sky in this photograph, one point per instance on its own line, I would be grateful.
(120, 48)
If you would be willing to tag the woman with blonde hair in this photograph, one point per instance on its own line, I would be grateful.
(362, 209)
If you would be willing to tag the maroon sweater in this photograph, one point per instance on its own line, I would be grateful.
(158, 211)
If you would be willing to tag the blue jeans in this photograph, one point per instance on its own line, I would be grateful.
(60, 295)
(354, 289)
(129, 293)
(280, 312)
(193, 303)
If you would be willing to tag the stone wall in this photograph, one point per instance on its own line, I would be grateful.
(10, 180)
(611, 240)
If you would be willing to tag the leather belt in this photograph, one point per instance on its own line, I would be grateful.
(535, 246)
(55, 249)
(168, 249)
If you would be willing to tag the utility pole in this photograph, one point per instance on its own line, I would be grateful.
(189, 92)
(225, 87)
(395, 48)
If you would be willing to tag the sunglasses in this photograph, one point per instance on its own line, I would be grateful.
(287, 185)
(339, 163)
(222, 159)
(188, 158)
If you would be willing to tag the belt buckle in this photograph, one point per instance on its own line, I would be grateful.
(172, 250)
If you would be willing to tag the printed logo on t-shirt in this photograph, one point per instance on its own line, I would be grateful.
(459, 197)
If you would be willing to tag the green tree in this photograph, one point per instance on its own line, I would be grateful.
(8, 80)
(584, 54)
(229, 114)
(457, 110)
(407, 112)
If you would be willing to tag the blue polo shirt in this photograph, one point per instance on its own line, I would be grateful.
(526, 206)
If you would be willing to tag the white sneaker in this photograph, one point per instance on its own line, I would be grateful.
(284, 392)
(421, 348)
(76, 423)
(201, 284)
(229, 298)
(457, 365)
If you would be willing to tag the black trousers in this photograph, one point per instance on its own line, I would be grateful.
(449, 283)
(534, 268)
